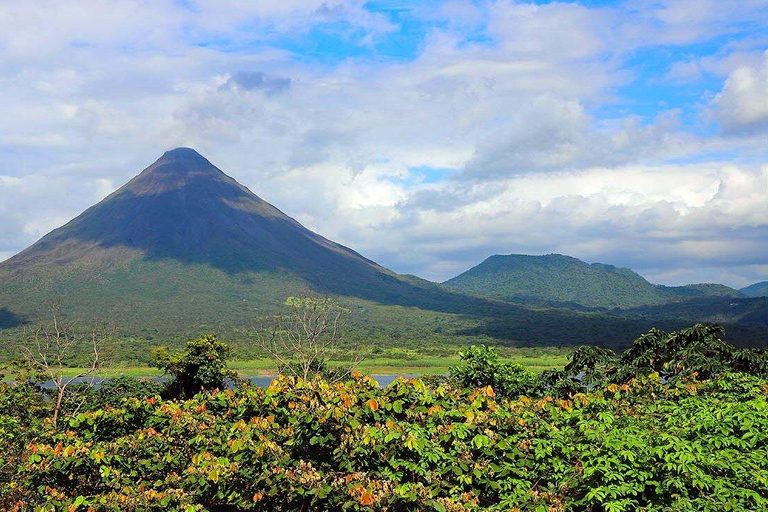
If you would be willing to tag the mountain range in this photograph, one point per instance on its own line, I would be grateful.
(183, 248)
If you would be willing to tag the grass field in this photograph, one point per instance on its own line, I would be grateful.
(408, 362)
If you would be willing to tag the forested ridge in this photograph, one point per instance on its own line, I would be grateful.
(556, 279)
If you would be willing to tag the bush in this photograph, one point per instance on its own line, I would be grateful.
(110, 392)
(589, 437)
(311, 445)
(480, 367)
(23, 410)
(203, 365)
(698, 351)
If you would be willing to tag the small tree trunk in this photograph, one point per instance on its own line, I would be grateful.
(59, 397)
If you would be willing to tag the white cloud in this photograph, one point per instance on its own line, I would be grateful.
(711, 217)
(742, 105)
(556, 31)
(689, 21)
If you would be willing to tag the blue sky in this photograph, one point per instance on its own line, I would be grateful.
(427, 135)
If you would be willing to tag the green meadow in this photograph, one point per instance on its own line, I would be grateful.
(395, 362)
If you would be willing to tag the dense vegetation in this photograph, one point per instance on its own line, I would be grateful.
(558, 279)
(157, 301)
(554, 279)
(677, 422)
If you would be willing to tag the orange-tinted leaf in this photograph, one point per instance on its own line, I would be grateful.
(366, 499)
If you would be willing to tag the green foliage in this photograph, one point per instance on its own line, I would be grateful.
(202, 365)
(699, 351)
(480, 366)
(317, 367)
(310, 445)
(752, 361)
(22, 412)
(684, 432)
(109, 392)
(589, 358)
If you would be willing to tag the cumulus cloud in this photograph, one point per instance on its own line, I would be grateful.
(688, 21)
(742, 105)
(646, 217)
(551, 134)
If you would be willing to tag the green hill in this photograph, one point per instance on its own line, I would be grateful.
(558, 280)
(689, 291)
(756, 290)
(717, 309)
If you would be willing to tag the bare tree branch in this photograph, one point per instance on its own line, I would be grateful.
(49, 348)
(303, 341)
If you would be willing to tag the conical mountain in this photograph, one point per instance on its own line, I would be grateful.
(184, 208)
(183, 243)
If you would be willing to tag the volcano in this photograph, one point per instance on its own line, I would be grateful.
(185, 209)
(183, 241)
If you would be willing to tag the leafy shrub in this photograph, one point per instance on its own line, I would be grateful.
(110, 392)
(22, 412)
(752, 361)
(668, 425)
(311, 445)
(480, 366)
(316, 367)
(699, 351)
(203, 365)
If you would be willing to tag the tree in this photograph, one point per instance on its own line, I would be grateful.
(303, 341)
(480, 366)
(50, 349)
(698, 349)
(202, 365)
(591, 365)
